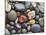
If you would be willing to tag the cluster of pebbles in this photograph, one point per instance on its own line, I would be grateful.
(24, 17)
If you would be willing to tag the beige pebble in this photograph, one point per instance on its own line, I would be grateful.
(12, 15)
(7, 7)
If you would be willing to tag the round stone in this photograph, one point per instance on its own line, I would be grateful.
(22, 19)
(12, 15)
(36, 28)
(16, 20)
(32, 21)
(28, 10)
(24, 30)
(37, 17)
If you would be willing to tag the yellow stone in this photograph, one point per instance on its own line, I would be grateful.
(32, 21)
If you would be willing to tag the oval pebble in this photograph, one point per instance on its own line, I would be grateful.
(20, 6)
(32, 21)
(8, 7)
(31, 14)
(41, 22)
(24, 30)
(33, 4)
(13, 31)
(22, 19)
(36, 28)
(12, 15)
(27, 4)
(12, 23)
(18, 25)
(8, 26)
(28, 28)
(7, 32)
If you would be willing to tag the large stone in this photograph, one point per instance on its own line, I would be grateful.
(7, 7)
(12, 15)
(36, 28)
(19, 7)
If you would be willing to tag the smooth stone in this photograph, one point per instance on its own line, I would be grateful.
(16, 20)
(7, 32)
(12, 23)
(22, 19)
(32, 21)
(13, 31)
(18, 25)
(8, 26)
(31, 14)
(24, 30)
(33, 4)
(28, 28)
(41, 7)
(8, 7)
(36, 28)
(37, 10)
(24, 25)
(20, 6)
(27, 4)
(41, 22)
(12, 15)
(37, 17)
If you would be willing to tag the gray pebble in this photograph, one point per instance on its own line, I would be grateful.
(12, 15)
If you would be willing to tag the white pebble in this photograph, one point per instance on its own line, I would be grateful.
(8, 7)
(12, 23)
(13, 31)
(8, 25)
(7, 32)
(33, 4)
(17, 25)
